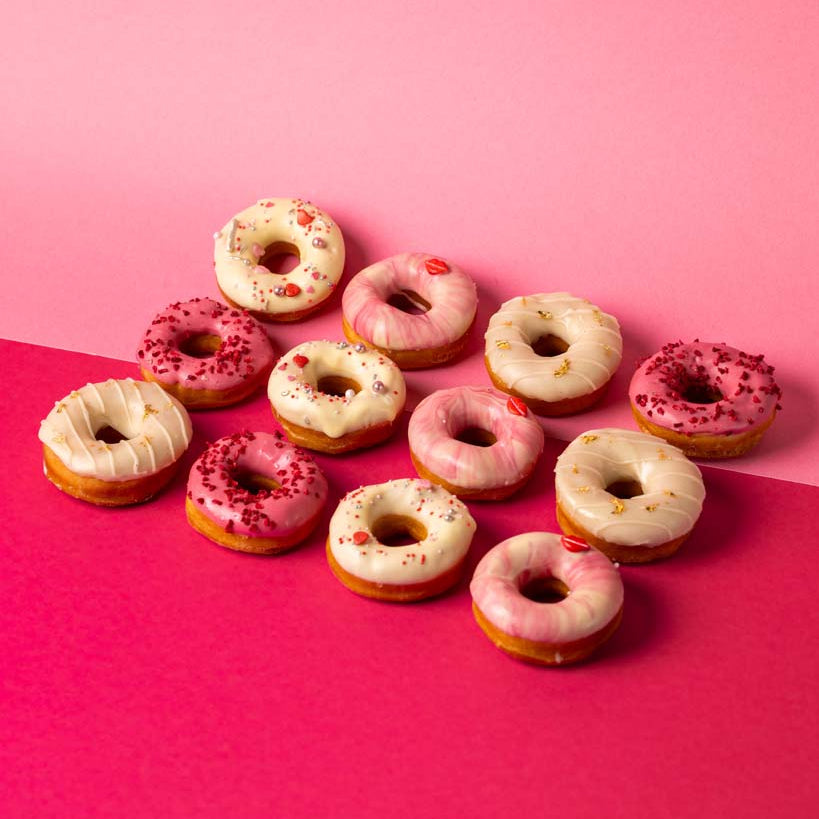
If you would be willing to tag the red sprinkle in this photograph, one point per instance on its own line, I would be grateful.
(300, 360)
(360, 537)
(292, 289)
(303, 217)
(574, 544)
(436, 266)
(516, 406)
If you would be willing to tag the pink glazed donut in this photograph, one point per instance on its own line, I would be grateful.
(206, 354)
(476, 442)
(415, 308)
(547, 599)
(255, 492)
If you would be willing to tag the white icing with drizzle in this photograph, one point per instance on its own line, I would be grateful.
(673, 489)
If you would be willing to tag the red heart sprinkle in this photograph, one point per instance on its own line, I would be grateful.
(292, 289)
(303, 217)
(436, 266)
(300, 360)
(574, 544)
(516, 406)
(268, 204)
(360, 537)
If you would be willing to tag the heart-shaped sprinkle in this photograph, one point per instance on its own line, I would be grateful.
(309, 289)
(300, 360)
(316, 275)
(574, 544)
(516, 406)
(303, 217)
(360, 537)
(268, 204)
(436, 266)
(292, 289)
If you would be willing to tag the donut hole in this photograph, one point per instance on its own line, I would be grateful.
(701, 393)
(109, 435)
(398, 530)
(200, 345)
(476, 436)
(280, 258)
(544, 589)
(549, 346)
(408, 301)
(254, 482)
(337, 385)
(625, 488)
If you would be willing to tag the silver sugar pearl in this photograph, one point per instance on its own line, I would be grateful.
(218, 234)
(278, 290)
(378, 386)
(343, 345)
(359, 348)
(319, 242)
(285, 393)
(349, 394)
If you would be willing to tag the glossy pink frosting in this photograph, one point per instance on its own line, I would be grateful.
(443, 415)
(213, 487)
(595, 589)
(451, 294)
(245, 350)
(746, 382)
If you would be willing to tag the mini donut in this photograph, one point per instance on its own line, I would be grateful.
(553, 350)
(335, 397)
(114, 443)
(631, 495)
(476, 442)
(277, 226)
(546, 599)
(255, 492)
(708, 399)
(415, 308)
(369, 519)
(206, 354)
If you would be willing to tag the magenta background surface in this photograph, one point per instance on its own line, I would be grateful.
(659, 160)
(147, 672)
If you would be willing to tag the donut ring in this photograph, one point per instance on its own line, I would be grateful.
(335, 397)
(631, 495)
(255, 492)
(143, 433)
(370, 515)
(476, 442)
(284, 225)
(546, 599)
(710, 400)
(376, 300)
(554, 351)
(206, 354)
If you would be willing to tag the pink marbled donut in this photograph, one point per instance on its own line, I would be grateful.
(227, 501)
(483, 470)
(445, 297)
(553, 632)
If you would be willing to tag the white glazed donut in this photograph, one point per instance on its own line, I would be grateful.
(595, 478)
(555, 351)
(366, 517)
(289, 226)
(546, 599)
(334, 396)
(155, 430)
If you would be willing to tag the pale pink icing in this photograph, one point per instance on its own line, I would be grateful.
(452, 295)
(595, 589)
(440, 417)
(750, 393)
(245, 351)
(213, 487)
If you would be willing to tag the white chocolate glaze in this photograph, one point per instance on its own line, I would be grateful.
(449, 526)
(157, 429)
(595, 589)
(242, 242)
(293, 387)
(673, 490)
(594, 353)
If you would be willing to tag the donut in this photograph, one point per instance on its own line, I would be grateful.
(369, 525)
(335, 397)
(206, 354)
(554, 351)
(633, 496)
(476, 442)
(415, 308)
(114, 443)
(546, 599)
(708, 399)
(255, 492)
(272, 227)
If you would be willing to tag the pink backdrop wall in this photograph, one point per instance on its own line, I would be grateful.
(660, 162)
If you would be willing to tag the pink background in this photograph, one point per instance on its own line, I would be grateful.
(661, 162)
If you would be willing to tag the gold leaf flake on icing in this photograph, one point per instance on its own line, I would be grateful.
(501, 344)
(662, 454)
(545, 314)
(562, 369)
(575, 469)
(58, 438)
(583, 489)
(149, 410)
(619, 506)
(587, 439)
(598, 317)
(652, 507)
(60, 406)
(669, 493)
